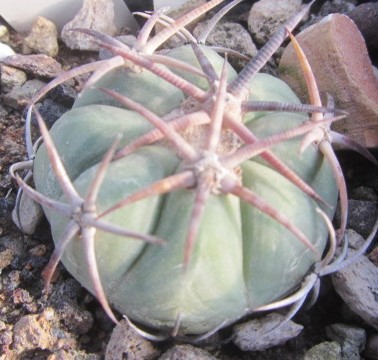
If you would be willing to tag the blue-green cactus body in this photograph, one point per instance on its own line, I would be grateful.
(242, 258)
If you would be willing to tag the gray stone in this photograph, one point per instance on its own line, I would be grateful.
(50, 111)
(342, 332)
(129, 40)
(336, 6)
(230, 36)
(357, 285)
(126, 343)
(28, 215)
(266, 16)
(43, 37)
(256, 335)
(350, 351)
(176, 12)
(94, 15)
(355, 240)
(20, 96)
(186, 352)
(351, 338)
(363, 193)
(362, 216)
(11, 77)
(324, 350)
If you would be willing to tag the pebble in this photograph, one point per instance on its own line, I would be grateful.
(75, 318)
(38, 331)
(11, 77)
(230, 36)
(351, 338)
(352, 84)
(38, 65)
(20, 96)
(373, 256)
(363, 193)
(4, 34)
(28, 215)
(325, 350)
(64, 94)
(126, 343)
(129, 40)
(336, 6)
(95, 15)
(6, 258)
(266, 16)
(330, 7)
(366, 18)
(186, 352)
(50, 111)
(177, 10)
(357, 285)
(355, 240)
(5, 51)
(73, 355)
(255, 335)
(43, 37)
(362, 216)
(176, 41)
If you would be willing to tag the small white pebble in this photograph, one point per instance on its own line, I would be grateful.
(4, 33)
(5, 51)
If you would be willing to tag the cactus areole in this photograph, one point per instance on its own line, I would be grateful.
(237, 233)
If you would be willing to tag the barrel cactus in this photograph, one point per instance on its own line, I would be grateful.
(176, 189)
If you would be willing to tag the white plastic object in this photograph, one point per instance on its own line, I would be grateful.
(171, 3)
(20, 14)
(5, 50)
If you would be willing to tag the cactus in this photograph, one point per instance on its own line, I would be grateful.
(183, 194)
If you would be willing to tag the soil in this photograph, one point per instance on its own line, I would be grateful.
(68, 323)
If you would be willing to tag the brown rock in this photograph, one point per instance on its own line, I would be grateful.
(39, 331)
(38, 65)
(339, 59)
